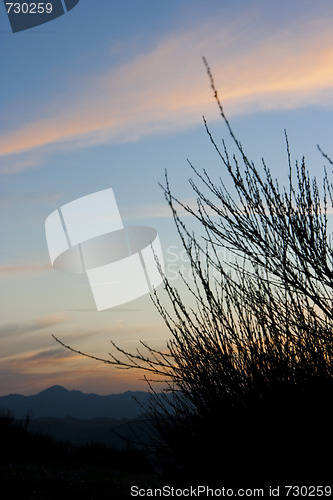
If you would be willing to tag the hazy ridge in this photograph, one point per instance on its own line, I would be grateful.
(56, 401)
(80, 418)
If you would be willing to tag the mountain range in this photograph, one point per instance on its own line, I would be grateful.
(56, 401)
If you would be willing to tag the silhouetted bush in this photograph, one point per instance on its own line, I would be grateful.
(252, 363)
(249, 363)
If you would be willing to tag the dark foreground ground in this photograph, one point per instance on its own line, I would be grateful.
(69, 481)
(34, 466)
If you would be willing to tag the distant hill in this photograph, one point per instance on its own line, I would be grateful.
(59, 402)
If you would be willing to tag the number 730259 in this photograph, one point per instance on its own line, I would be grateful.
(29, 8)
(308, 491)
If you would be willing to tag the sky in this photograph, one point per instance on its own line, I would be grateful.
(110, 95)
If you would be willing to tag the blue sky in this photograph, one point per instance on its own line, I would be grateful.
(110, 95)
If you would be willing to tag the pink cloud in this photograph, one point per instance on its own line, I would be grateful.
(167, 89)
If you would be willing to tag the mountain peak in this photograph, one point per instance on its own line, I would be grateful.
(55, 389)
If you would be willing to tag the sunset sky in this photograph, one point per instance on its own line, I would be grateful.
(110, 95)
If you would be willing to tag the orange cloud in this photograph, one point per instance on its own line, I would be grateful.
(25, 377)
(167, 89)
(7, 271)
(14, 329)
(40, 368)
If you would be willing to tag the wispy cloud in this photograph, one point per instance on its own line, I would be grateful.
(12, 270)
(14, 329)
(16, 162)
(26, 378)
(49, 355)
(162, 210)
(31, 198)
(157, 210)
(30, 366)
(167, 89)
